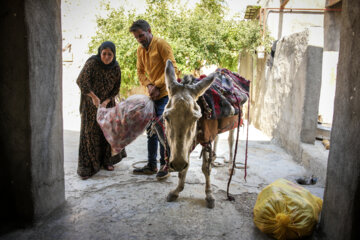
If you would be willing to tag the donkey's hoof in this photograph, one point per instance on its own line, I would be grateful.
(210, 202)
(171, 197)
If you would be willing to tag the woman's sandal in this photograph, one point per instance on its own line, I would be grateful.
(85, 177)
(109, 167)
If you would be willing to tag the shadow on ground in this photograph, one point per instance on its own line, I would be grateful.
(120, 205)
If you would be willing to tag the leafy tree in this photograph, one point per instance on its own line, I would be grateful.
(199, 36)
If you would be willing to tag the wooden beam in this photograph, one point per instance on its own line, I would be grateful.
(331, 3)
(283, 3)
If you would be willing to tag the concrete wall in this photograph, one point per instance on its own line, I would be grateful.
(286, 96)
(332, 27)
(32, 174)
(341, 210)
(45, 67)
(15, 177)
(247, 63)
(252, 68)
(286, 22)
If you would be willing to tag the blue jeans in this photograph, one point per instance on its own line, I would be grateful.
(152, 142)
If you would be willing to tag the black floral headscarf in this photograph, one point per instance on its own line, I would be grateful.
(104, 45)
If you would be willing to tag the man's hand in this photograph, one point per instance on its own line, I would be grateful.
(154, 92)
(150, 88)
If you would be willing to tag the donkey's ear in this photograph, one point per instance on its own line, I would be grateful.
(200, 87)
(170, 78)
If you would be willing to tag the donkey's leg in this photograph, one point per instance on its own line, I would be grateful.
(174, 194)
(206, 169)
(213, 158)
(231, 144)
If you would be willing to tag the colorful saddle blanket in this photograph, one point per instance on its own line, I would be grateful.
(227, 93)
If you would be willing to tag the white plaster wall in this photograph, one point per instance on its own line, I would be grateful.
(328, 86)
(292, 22)
(295, 21)
(293, 3)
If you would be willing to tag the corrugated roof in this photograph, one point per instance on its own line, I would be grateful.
(252, 12)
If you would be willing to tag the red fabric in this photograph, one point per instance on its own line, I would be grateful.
(202, 76)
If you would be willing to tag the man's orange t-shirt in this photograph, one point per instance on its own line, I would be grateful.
(151, 64)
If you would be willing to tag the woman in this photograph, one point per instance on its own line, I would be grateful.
(99, 81)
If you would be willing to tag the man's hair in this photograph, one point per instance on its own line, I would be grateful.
(139, 24)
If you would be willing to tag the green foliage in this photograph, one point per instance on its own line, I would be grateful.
(199, 36)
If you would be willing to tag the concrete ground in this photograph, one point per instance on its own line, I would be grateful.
(120, 205)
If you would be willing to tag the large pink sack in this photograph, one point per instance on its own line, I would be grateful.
(123, 123)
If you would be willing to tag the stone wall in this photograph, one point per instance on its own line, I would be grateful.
(286, 96)
(32, 173)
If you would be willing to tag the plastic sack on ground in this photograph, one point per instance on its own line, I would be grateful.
(286, 210)
(126, 121)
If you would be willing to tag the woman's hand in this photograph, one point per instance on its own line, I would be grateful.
(94, 98)
(105, 103)
(96, 101)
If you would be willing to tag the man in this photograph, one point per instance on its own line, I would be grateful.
(152, 55)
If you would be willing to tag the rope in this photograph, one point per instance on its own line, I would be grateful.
(157, 120)
(231, 198)
(219, 164)
(247, 135)
(138, 162)
(165, 142)
(135, 163)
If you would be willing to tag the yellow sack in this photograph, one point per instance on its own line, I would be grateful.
(286, 210)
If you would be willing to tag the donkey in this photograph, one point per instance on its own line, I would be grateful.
(183, 126)
(231, 154)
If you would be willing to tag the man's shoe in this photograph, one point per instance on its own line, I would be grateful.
(163, 172)
(147, 170)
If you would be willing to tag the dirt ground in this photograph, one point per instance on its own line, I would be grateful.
(120, 205)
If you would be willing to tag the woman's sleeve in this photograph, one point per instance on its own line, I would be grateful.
(117, 84)
(83, 80)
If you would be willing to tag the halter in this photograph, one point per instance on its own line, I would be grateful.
(159, 121)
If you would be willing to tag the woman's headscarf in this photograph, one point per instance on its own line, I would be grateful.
(104, 45)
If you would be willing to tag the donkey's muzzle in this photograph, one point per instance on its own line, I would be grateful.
(178, 166)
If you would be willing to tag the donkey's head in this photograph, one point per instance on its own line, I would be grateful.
(181, 115)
